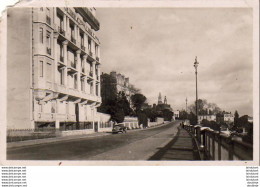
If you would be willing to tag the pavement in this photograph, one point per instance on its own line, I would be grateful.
(182, 147)
(66, 138)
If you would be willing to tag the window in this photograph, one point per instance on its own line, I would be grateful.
(61, 76)
(48, 39)
(97, 89)
(41, 68)
(96, 50)
(82, 85)
(82, 39)
(75, 82)
(48, 72)
(89, 44)
(41, 35)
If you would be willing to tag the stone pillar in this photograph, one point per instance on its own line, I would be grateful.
(56, 58)
(78, 66)
(57, 124)
(94, 77)
(65, 43)
(68, 27)
(85, 71)
(99, 84)
(64, 26)
(75, 33)
(55, 17)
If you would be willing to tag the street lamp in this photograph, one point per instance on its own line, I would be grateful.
(196, 64)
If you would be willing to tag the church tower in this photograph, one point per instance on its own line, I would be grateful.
(165, 100)
(160, 99)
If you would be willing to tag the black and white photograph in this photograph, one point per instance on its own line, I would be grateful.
(130, 84)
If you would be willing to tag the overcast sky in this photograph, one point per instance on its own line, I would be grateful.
(156, 48)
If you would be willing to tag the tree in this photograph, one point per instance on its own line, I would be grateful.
(113, 103)
(236, 116)
(204, 107)
(183, 115)
(138, 100)
(167, 115)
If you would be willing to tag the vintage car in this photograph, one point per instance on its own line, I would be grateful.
(119, 128)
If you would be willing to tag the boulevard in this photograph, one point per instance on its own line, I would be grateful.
(133, 145)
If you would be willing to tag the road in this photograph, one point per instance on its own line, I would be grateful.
(134, 145)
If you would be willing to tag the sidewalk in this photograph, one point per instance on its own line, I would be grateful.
(180, 148)
(66, 138)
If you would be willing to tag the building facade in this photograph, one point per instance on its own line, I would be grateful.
(228, 118)
(208, 117)
(123, 85)
(53, 68)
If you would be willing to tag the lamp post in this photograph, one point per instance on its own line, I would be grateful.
(196, 64)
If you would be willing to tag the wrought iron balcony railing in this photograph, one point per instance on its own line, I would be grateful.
(61, 31)
(73, 39)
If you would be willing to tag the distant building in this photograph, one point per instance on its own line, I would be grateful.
(176, 114)
(123, 85)
(163, 105)
(228, 118)
(208, 117)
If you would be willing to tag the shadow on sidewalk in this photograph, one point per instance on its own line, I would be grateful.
(182, 147)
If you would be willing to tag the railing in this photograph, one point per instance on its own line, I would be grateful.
(215, 145)
(91, 73)
(73, 39)
(83, 48)
(49, 50)
(61, 31)
(48, 20)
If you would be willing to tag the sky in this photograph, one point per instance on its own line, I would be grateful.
(156, 49)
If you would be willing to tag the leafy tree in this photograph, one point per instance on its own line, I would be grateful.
(167, 115)
(138, 100)
(192, 118)
(236, 117)
(183, 115)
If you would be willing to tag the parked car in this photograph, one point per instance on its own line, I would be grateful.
(119, 128)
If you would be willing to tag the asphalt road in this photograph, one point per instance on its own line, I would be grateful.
(134, 145)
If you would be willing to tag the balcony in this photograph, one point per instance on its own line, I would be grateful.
(72, 67)
(48, 20)
(83, 47)
(48, 51)
(87, 14)
(61, 31)
(73, 40)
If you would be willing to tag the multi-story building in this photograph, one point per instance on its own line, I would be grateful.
(53, 68)
(123, 85)
(228, 118)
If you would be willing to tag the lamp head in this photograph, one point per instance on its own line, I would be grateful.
(196, 63)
